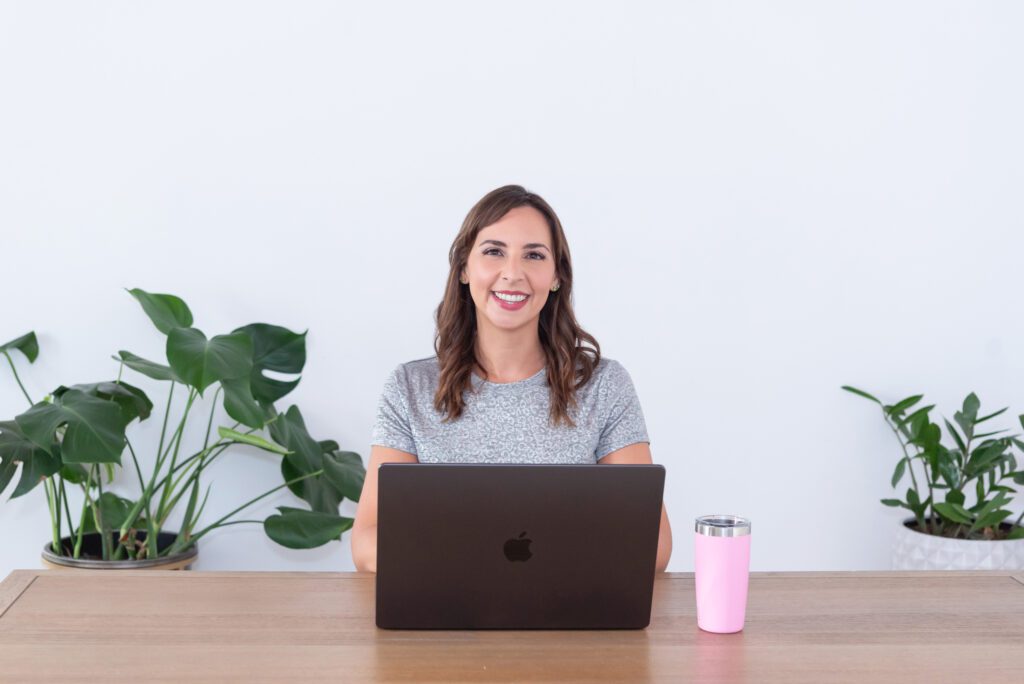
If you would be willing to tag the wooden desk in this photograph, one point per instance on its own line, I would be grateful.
(96, 626)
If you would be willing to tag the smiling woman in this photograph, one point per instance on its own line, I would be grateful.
(515, 379)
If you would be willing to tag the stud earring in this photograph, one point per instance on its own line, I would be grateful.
(554, 288)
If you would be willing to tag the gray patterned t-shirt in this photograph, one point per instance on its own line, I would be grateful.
(508, 422)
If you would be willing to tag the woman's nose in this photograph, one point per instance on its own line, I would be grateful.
(512, 271)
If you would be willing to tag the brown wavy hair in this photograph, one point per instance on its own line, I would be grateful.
(571, 353)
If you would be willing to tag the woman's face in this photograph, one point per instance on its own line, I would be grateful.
(511, 269)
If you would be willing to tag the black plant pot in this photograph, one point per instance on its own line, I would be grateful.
(92, 551)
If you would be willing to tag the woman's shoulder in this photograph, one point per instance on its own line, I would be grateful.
(609, 369)
(416, 373)
(609, 375)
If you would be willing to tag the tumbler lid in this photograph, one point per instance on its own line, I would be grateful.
(722, 525)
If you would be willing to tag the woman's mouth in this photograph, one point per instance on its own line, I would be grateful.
(510, 301)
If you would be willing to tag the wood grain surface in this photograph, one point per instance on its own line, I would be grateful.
(80, 625)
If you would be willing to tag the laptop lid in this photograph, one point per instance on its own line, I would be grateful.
(510, 546)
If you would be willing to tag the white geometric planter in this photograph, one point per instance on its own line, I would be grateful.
(912, 550)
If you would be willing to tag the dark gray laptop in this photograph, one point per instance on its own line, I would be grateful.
(495, 546)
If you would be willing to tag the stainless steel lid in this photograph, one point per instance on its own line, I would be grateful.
(722, 525)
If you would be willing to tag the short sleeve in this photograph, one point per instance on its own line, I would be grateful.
(393, 428)
(624, 424)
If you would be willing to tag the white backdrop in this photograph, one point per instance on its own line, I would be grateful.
(764, 201)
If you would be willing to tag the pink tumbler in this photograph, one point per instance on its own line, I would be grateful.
(722, 572)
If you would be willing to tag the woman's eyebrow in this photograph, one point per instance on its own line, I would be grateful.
(499, 243)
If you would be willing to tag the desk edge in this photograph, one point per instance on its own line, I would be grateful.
(13, 586)
(25, 576)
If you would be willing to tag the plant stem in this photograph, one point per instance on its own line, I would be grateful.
(209, 423)
(910, 466)
(15, 371)
(67, 509)
(85, 505)
(163, 430)
(149, 518)
(97, 516)
(249, 503)
(54, 516)
(177, 446)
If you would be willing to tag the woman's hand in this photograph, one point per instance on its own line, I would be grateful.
(641, 453)
(364, 529)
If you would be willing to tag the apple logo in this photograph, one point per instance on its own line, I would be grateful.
(518, 549)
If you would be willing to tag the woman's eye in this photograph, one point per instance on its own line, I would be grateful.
(535, 255)
(492, 250)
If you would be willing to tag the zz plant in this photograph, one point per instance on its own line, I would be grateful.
(973, 460)
(78, 434)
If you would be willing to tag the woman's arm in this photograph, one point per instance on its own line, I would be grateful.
(364, 529)
(641, 453)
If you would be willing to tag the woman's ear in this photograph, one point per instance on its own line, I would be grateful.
(462, 277)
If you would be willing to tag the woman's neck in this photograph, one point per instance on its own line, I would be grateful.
(509, 355)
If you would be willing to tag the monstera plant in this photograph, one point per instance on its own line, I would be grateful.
(77, 436)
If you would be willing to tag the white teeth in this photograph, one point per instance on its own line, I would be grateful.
(509, 298)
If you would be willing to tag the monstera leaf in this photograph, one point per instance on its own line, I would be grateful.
(133, 402)
(275, 349)
(94, 427)
(166, 311)
(295, 528)
(324, 492)
(37, 463)
(26, 344)
(344, 470)
(201, 362)
(146, 367)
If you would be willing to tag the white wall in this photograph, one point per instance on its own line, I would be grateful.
(764, 201)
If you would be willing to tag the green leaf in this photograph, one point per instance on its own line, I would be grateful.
(971, 406)
(954, 513)
(95, 427)
(201, 362)
(986, 507)
(991, 415)
(955, 435)
(37, 463)
(251, 440)
(897, 474)
(8, 467)
(298, 529)
(114, 510)
(306, 457)
(991, 520)
(146, 367)
(899, 407)
(893, 502)
(955, 496)
(276, 349)
(913, 500)
(133, 401)
(27, 344)
(344, 470)
(1017, 533)
(916, 415)
(240, 404)
(74, 473)
(166, 311)
(862, 393)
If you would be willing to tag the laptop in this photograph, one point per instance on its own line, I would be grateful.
(508, 546)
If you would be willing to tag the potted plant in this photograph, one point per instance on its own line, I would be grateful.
(74, 437)
(945, 533)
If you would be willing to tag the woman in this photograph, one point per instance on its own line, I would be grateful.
(513, 380)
